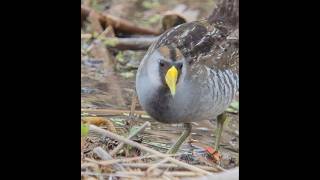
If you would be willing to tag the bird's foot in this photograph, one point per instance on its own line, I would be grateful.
(214, 154)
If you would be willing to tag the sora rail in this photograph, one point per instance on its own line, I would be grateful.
(191, 72)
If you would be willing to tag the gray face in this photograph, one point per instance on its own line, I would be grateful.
(153, 91)
(167, 57)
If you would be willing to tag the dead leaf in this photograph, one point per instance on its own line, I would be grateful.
(100, 121)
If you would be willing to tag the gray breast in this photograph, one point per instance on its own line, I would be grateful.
(196, 99)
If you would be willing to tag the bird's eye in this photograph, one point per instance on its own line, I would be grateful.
(161, 62)
(179, 66)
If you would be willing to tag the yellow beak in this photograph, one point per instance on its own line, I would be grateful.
(171, 79)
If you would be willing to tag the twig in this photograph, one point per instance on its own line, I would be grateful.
(120, 146)
(147, 165)
(232, 174)
(131, 119)
(87, 165)
(117, 23)
(102, 154)
(91, 160)
(136, 173)
(111, 111)
(171, 173)
(133, 106)
(107, 174)
(86, 36)
(98, 38)
(133, 43)
(93, 18)
(156, 165)
(144, 148)
(110, 162)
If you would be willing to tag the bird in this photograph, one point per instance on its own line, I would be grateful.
(191, 72)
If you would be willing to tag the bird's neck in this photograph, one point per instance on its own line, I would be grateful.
(160, 104)
(163, 92)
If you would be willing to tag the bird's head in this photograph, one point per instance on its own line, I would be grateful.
(170, 63)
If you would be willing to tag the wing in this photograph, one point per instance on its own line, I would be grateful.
(212, 45)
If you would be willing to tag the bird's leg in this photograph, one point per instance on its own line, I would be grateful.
(220, 122)
(186, 132)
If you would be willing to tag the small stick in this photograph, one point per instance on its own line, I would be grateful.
(94, 20)
(133, 106)
(156, 165)
(117, 23)
(111, 111)
(120, 146)
(90, 164)
(136, 173)
(146, 165)
(110, 162)
(107, 174)
(144, 148)
(86, 36)
(232, 174)
(97, 39)
(132, 43)
(101, 153)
